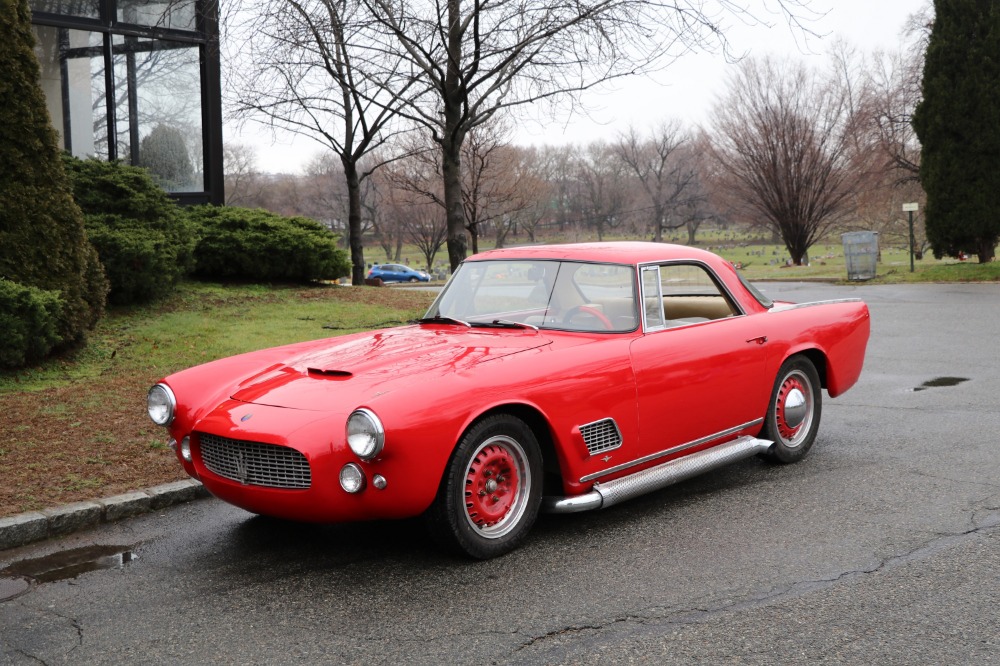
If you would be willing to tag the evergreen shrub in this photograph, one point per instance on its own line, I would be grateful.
(257, 245)
(29, 319)
(43, 244)
(144, 240)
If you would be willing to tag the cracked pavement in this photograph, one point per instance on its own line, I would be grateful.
(882, 546)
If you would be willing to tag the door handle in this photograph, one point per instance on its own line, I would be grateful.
(759, 340)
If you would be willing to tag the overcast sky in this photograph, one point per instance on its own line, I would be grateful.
(686, 90)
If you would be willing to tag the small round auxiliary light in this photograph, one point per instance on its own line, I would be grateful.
(379, 482)
(352, 478)
(186, 449)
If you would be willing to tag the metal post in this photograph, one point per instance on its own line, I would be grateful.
(911, 242)
(911, 208)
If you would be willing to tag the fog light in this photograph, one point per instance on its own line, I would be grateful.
(186, 449)
(352, 479)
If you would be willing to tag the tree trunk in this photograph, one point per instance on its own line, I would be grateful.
(451, 166)
(452, 138)
(987, 250)
(354, 222)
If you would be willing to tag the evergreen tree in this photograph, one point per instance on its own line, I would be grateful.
(42, 238)
(958, 123)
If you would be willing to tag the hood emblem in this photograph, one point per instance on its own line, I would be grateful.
(246, 417)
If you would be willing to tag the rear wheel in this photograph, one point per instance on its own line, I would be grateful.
(793, 413)
(491, 490)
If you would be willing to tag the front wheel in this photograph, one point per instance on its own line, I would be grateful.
(492, 488)
(793, 413)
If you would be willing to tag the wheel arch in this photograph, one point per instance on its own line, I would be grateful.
(817, 358)
(541, 427)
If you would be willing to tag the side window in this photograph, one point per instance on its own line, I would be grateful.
(680, 294)
(690, 295)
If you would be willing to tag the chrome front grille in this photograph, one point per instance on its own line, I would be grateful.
(255, 464)
(601, 436)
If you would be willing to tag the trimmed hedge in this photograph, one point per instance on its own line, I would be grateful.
(29, 319)
(254, 244)
(144, 240)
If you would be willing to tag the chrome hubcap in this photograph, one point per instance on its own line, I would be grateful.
(796, 408)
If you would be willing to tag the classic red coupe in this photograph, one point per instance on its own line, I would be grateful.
(559, 378)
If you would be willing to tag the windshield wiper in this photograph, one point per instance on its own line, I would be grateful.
(438, 319)
(503, 323)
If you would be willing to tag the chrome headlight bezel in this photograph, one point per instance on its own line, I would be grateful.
(365, 434)
(161, 405)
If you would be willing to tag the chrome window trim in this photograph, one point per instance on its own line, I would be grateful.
(796, 306)
(720, 285)
(672, 450)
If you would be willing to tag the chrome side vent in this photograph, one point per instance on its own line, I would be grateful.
(601, 436)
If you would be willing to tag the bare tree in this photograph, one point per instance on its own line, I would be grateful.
(786, 139)
(603, 182)
(243, 180)
(491, 188)
(425, 226)
(895, 81)
(304, 67)
(526, 179)
(376, 207)
(665, 172)
(478, 57)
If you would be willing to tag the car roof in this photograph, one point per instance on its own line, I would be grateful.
(618, 252)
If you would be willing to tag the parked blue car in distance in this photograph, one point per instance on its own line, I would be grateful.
(397, 273)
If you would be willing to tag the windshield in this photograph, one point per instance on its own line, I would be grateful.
(559, 295)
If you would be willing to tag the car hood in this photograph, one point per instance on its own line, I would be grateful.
(375, 363)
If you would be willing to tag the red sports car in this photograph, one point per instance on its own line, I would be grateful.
(560, 378)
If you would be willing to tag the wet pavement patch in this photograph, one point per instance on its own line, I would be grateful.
(940, 382)
(62, 565)
(12, 587)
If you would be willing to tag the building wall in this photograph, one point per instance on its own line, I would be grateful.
(137, 80)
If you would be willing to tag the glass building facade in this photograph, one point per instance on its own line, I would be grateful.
(137, 81)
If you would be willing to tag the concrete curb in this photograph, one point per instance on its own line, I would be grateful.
(33, 526)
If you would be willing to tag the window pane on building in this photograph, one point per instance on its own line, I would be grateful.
(159, 110)
(81, 8)
(72, 77)
(173, 14)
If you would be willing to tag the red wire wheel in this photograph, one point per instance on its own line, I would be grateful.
(496, 486)
(492, 489)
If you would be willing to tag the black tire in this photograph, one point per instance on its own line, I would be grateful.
(794, 410)
(491, 490)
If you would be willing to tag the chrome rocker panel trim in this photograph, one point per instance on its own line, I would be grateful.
(655, 478)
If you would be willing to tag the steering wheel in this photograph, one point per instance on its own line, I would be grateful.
(588, 310)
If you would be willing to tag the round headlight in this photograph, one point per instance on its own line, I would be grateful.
(352, 478)
(161, 404)
(365, 434)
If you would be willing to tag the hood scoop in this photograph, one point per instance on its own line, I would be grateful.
(329, 373)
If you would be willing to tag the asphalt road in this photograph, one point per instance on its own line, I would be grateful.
(882, 547)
